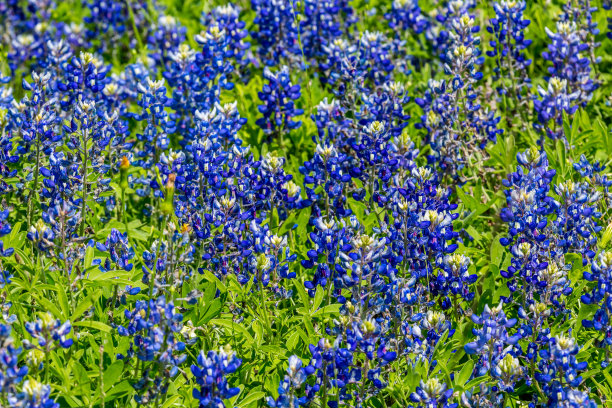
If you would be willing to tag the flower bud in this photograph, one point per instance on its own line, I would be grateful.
(167, 206)
(123, 172)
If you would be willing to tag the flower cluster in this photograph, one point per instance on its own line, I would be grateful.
(154, 328)
(253, 176)
(509, 46)
(278, 108)
(457, 127)
(210, 375)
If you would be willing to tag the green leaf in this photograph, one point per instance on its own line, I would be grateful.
(63, 300)
(251, 399)
(89, 256)
(277, 350)
(301, 291)
(212, 278)
(50, 307)
(318, 299)
(465, 373)
(327, 310)
(498, 252)
(212, 311)
(91, 324)
(303, 219)
(293, 339)
(112, 374)
(233, 327)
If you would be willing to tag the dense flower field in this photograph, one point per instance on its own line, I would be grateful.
(305, 203)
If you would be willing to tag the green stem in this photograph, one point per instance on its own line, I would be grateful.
(34, 191)
(265, 310)
(47, 366)
(134, 27)
(85, 176)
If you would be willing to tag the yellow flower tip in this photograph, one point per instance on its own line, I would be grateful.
(125, 163)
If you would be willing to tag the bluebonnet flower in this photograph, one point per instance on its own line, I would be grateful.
(5, 229)
(217, 128)
(552, 102)
(375, 56)
(443, 21)
(356, 365)
(58, 56)
(8, 122)
(327, 242)
(433, 393)
(582, 13)
(332, 124)
(386, 105)
(508, 372)
(11, 372)
(27, 29)
(576, 222)
(601, 274)
(427, 332)
(329, 169)
(120, 251)
(591, 172)
(354, 68)
(362, 261)
(333, 368)
(527, 211)
(56, 235)
(406, 15)
(575, 399)
(543, 230)
(533, 328)
(278, 109)
(214, 61)
(88, 138)
(158, 126)
(509, 45)
(492, 339)
(607, 6)
(85, 76)
(270, 259)
(458, 128)
(565, 52)
(480, 396)
(63, 218)
(153, 326)
(109, 21)
(276, 30)
(572, 80)
(454, 279)
(321, 22)
(342, 69)
(423, 216)
(41, 235)
(290, 385)
(268, 179)
(227, 17)
(198, 78)
(165, 37)
(49, 332)
(559, 369)
(37, 118)
(33, 395)
(166, 265)
(123, 87)
(211, 374)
